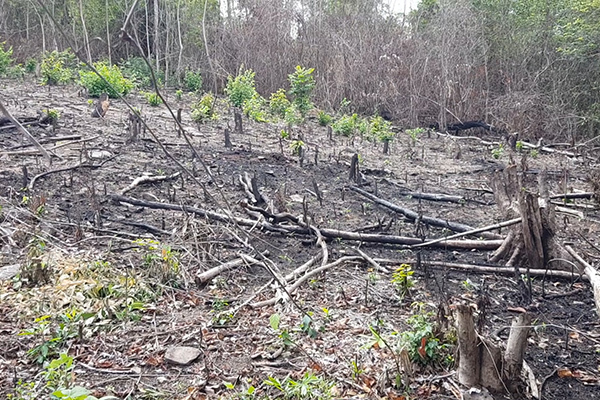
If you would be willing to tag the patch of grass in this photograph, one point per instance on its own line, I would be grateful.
(310, 386)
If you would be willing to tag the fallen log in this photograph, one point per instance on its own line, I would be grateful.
(413, 215)
(328, 233)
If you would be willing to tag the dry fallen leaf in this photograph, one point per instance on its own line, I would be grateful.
(564, 373)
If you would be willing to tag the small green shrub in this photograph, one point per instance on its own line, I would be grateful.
(302, 83)
(402, 280)
(5, 58)
(293, 116)
(152, 98)
(279, 103)
(31, 65)
(202, 111)
(179, 94)
(381, 129)
(323, 118)
(117, 84)
(241, 88)
(296, 146)
(57, 67)
(420, 342)
(16, 71)
(255, 107)
(193, 81)
(345, 125)
(136, 69)
(363, 126)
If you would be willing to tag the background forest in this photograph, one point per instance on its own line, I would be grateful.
(530, 66)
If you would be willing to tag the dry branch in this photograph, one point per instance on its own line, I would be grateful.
(329, 233)
(472, 232)
(591, 273)
(26, 133)
(484, 269)
(148, 179)
(413, 215)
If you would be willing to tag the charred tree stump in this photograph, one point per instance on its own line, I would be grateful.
(179, 122)
(386, 147)
(532, 243)
(135, 126)
(237, 117)
(354, 170)
(228, 139)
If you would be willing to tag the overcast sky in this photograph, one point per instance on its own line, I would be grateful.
(401, 5)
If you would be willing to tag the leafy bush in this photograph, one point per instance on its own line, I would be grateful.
(5, 58)
(30, 65)
(16, 71)
(241, 88)
(324, 118)
(153, 99)
(381, 129)
(57, 67)
(193, 81)
(117, 84)
(254, 108)
(136, 69)
(293, 116)
(302, 84)
(179, 94)
(345, 125)
(203, 111)
(279, 103)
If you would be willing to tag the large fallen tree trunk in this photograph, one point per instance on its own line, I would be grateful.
(295, 229)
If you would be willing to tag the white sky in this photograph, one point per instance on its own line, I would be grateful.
(398, 6)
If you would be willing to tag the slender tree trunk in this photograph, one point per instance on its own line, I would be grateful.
(156, 37)
(148, 48)
(179, 38)
(86, 39)
(107, 33)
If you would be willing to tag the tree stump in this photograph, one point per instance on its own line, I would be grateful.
(237, 117)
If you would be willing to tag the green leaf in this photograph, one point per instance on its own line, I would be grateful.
(274, 321)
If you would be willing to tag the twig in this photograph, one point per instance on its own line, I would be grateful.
(26, 133)
(148, 179)
(471, 232)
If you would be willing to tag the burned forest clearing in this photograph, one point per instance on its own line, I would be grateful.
(255, 263)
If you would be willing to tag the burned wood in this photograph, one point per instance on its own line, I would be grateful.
(435, 197)
(413, 215)
(26, 133)
(148, 179)
(503, 270)
(329, 233)
(72, 168)
(472, 232)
